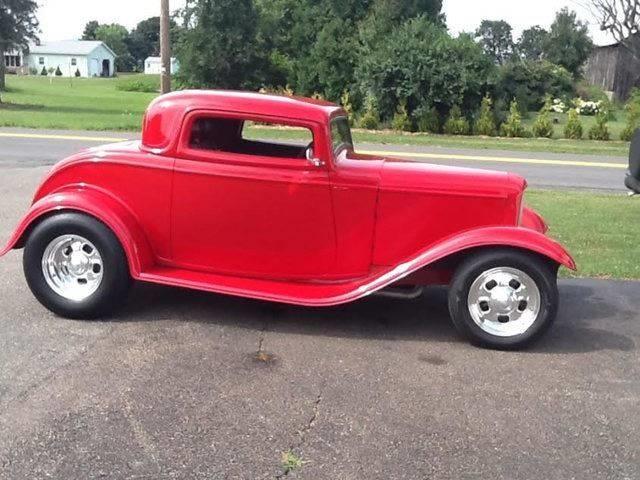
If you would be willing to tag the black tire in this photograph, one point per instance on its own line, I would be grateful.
(541, 271)
(115, 283)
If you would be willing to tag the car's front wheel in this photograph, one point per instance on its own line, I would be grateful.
(75, 266)
(504, 298)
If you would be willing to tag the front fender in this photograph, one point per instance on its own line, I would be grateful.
(512, 237)
(99, 204)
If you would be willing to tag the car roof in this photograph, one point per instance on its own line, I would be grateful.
(165, 112)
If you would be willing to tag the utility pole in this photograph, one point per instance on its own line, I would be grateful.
(165, 47)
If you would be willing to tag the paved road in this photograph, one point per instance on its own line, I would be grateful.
(33, 147)
(380, 389)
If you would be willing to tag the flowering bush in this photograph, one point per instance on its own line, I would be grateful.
(558, 106)
(588, 108)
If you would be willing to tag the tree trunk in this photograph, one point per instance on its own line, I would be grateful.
(2, 69)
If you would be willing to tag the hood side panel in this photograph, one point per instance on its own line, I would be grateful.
(422, 204)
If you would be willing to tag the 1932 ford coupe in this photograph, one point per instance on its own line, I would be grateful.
(201, 203)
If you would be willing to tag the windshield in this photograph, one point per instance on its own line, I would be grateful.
(341, 135)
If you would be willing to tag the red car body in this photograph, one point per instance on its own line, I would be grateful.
(320, 232)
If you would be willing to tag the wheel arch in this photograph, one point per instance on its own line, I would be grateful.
(97, 204)
(438, 262)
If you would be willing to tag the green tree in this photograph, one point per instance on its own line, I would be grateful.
(456, 124)
(401, 120)
(530, 82)
(218, 47)
(600, 131)
(496, 39)
(370, 119)
(531, 43)
(568, 43)
(90, 30)
(543, 127)
(512, 127)
(485, 123)
(18, 26)
(573, 130)
(144, 40)
(115, 37)
(420, 63)
(633, 116)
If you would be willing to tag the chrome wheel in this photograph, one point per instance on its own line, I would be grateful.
(72, 267)
(504, 301)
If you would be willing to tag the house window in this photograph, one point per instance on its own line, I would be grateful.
(41, 60)
(12, 60)
(73, 62)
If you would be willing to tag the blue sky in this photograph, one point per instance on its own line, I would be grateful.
(65, 19)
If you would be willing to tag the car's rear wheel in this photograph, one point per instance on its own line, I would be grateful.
(75, 266)
(504, 298)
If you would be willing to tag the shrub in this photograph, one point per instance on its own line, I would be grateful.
(573, 130)
(600, 131)
(33, 71)
(512, 127)
(485, 124)
(78, 74)
(591, 93)
(588, 108)
(401, 120)
(421, 63)
(44, 72)
(543, 127)
(531, 81)
(370, 118)
(345, 101)
(633, 116)
(427, 119)
(58, 72)
(558, 106)
(456, 124)
(139, 83)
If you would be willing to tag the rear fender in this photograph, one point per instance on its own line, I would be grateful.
(96, 203)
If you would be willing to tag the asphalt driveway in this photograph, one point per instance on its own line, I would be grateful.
(380, 389)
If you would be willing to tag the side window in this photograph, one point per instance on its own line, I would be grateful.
(266, 139)
(73, 61)
(41, 60)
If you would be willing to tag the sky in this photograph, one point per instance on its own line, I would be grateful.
(65, 19)
(466, 15)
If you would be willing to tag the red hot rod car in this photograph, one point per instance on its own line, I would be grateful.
(200, 203)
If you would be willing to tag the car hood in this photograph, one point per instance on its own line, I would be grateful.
(398, 174)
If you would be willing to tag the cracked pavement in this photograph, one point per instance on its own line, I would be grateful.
(191, 385)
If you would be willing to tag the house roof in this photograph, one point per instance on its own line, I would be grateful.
(69, 47)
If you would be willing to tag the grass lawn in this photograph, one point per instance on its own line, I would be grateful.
(96, 104)
(601, 231)
(77, 104)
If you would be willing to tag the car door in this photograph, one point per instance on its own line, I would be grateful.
(248, 208)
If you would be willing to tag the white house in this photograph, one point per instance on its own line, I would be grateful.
(90, 58)
(153, 66)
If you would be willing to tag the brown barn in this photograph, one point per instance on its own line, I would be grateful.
(615, 69)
